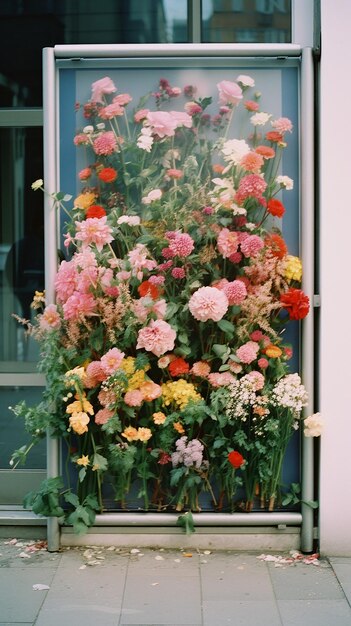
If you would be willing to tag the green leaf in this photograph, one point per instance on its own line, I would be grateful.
(82, 474)
(100, 462)
(226, 327)
(71, 498)
(187, 522)
(220, 349)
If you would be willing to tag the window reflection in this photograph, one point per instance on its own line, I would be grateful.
(246, 21)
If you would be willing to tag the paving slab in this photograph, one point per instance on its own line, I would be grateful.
(342, 569)
(241, 613)
(315, 612)
(305, 582)
(18, 600)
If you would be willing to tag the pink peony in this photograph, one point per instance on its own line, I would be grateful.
(94, 230)
(101, 87)
(208, 303)
(162, 123)
(134, 398)
(158, 337)
(251, 246)
(112, 360)
(235, 292)
(227, 242)
(79, 305)
(105, 144)
(229, 92)
(248, 352)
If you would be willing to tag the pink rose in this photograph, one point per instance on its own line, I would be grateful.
(229, 92)
(162, 123)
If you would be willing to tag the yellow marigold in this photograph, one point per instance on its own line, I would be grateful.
(159, 418)
(293, 268)
(81, 404)
(136, 380)
(79, 422)
(85, 200)
(180, 392)
(144, 434)
(83, 460)
(273, 352)
(127, 365)
(130, 433)
(179, 428)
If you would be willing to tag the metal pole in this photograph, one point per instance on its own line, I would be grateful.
(194, 21)
(50, 226)
(307, 248)
(200, 519)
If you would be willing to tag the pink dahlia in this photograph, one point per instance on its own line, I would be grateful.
(78, 305)
(66, 280)
(158, 337)
(248, 352)
(178, 272)
(112, 360)
(208, 303)
(94, 230)
(182, 245)
(105, 144)
(251, 246)
(235, 292)
(221, 379)
(227, 242)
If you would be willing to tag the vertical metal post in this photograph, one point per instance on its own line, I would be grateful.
(50, 249)
(194, 21)
(307, 249)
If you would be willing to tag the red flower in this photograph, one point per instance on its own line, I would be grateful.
(148, 289)
(274, 136)
(164, 458)
(277, 245)
(95, 210)
(235, 459)
(275, 207)
(107, 174)
(296, 302)
(178, 366)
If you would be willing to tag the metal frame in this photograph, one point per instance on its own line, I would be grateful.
(50, 55)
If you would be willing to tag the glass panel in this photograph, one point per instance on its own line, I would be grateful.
(21, 243)
(246, 21)
(12, 432)
(28, 27)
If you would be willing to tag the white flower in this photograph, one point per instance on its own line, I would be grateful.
(131, 220)
(37, 184)
(260, 119)
(101, 126)
(313, 425)
(145, 140)
(234, 150)
(245, 81)
(285, 181)
(153, 195)
(88, 129)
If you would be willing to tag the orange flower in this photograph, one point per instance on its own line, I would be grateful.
(277, 245)
(179, 428)
(178, 366)
(218, 168)
(150, 390)
(274, 136)
(107, 174)
(273, 352)
(235, 459)
(95, 210)
(148, 289)
(266, 151)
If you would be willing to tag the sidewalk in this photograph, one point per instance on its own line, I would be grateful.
(98, 586)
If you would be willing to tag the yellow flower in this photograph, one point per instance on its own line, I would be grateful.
(293, 268)
(80, 405)
(144, 434)
(38, 300)
(83, 460)
(159, 418)
(130, 433)
(127, 365)
(273, 352)
(136, 380)
(72, 375)
(79, 422)
(180, 392)
(85, 200)
(179, 428)
(38, 184)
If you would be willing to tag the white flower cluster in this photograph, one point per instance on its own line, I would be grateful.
(289, 393)
(188, 453)
(242, 398)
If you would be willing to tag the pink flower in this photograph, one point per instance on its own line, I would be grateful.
(78, 305)
(192, 108)
(181, 245)
(247, 352)
(105, 144)
(158, 337)
(174, 173)
(221, 379)
(251, 246)
(134, 398)
(139, 261)
(251, 105)
(141, 115)
(257, 379)
(101, 87)
(80, 139)
(262, 363)
(103, 416)
(163, 124)
(94, 374)
(178, 272)
(256, 335)
(122, 99)
(85, 173)
(153, 195)
(229, 92)
(50, 319)
(235, 292)
(252, 162)
(208, 303)
(182, 119)
(112, 360)
(111, 111)
(227, 242)
(251, 185)
(94, 230)
(201, 368)
(282, 125)
(66, 280)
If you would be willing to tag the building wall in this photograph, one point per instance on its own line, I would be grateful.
(335, 279)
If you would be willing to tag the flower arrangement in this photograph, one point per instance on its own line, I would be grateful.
(164, 352)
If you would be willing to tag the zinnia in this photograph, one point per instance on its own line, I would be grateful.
(107, 174)
(208, 303)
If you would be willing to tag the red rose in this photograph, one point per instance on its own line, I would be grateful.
(235, 459)
(296, 302)
(178, 366)
(275, 207)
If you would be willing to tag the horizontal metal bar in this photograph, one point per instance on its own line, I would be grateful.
(16, 379)
(200, 519)
(18, 117)
(189, 49)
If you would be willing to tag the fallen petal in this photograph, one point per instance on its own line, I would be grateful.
(40, 587)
